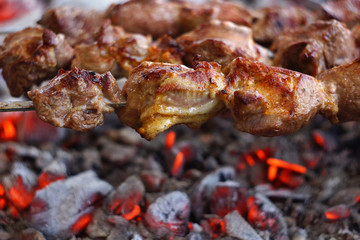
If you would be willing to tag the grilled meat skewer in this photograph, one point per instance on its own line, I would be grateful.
(264, 100)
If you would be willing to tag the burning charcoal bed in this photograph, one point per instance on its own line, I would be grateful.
(212, 182)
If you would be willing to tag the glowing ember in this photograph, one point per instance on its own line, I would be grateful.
(2, 190)
(337, 213)
(46, 178)
(286, 165)
(134, 212)
(2, 203)
(19, 195)
(7, 130)
(288, 178)
(81, 223)
(170, 139)
(178, 164)
(249, 159)
(272, 173)
(13, 211)
(319, 139)
(357, 199)
(260, 154)
(217, 226)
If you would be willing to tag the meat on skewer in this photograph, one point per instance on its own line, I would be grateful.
(315, 48)
(77, 24)
(264, 100)
(29, 56)
(76, 99)
(222, 42)
(160, 95)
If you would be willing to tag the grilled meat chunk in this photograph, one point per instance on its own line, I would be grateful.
(115, 51)
(315, 48)
(29, 56)
(347, 11)
(77, 24)
(275, 20)
(154, 17)
(343, 84)
(221, 42)
(76, 99)
(160, 95)
(193, 15)
(272, 101)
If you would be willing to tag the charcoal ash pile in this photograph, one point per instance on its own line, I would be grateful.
(210, 183)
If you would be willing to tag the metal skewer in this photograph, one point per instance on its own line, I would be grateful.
(20, 106)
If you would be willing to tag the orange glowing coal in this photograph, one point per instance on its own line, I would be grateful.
(19, 195)
(319, 139)
(272, 173)
(170, 140)
(45, 179)
(178, 164)
(337, 213)
(133, 213)
(249, 159)
(286, 165)
(81, 223)
(7, 130)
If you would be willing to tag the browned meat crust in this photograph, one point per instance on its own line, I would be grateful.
(77, 24)
(272, 101)
(347, 11)
(115, 51)
(221, 42)
(277, 19)
(32, 55)
(76, 99)
(160, 95)
(343, 84)
(315, 48)
(154, 17)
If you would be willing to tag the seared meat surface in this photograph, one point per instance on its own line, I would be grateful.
(29, 56)
(277, 19)
(272, 101)
(77, 24)
(315, 48)
(221, 42)
(76, 99)
(193, 15)
(160, 95)
(154, 17)
(343, 84)
(347, 11)
(115, 51)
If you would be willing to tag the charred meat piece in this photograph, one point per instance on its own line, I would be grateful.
(272, 101)
(154, 17)
(29, 56)
(343, 83)
(77, 24)
(347, 11)
(356, 33)
(165, 49)
(221, 42)
(76, 99)
(115, 51)
(315, 48)
(160, 95)
(275, 20)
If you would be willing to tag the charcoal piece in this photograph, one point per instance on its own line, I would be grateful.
(227, 197)
(280, 231)
(21, 182)
(168, 215)
(56, 208)
(99, 227)
(124, 232)
(32, 234)
(201, 193)
(119, 154)
(153, 180)
(236, 226)
(127, 194)
(126, 136)
(92, 159)
(346, 196)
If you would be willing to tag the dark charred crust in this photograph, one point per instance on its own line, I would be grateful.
(246, 99)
